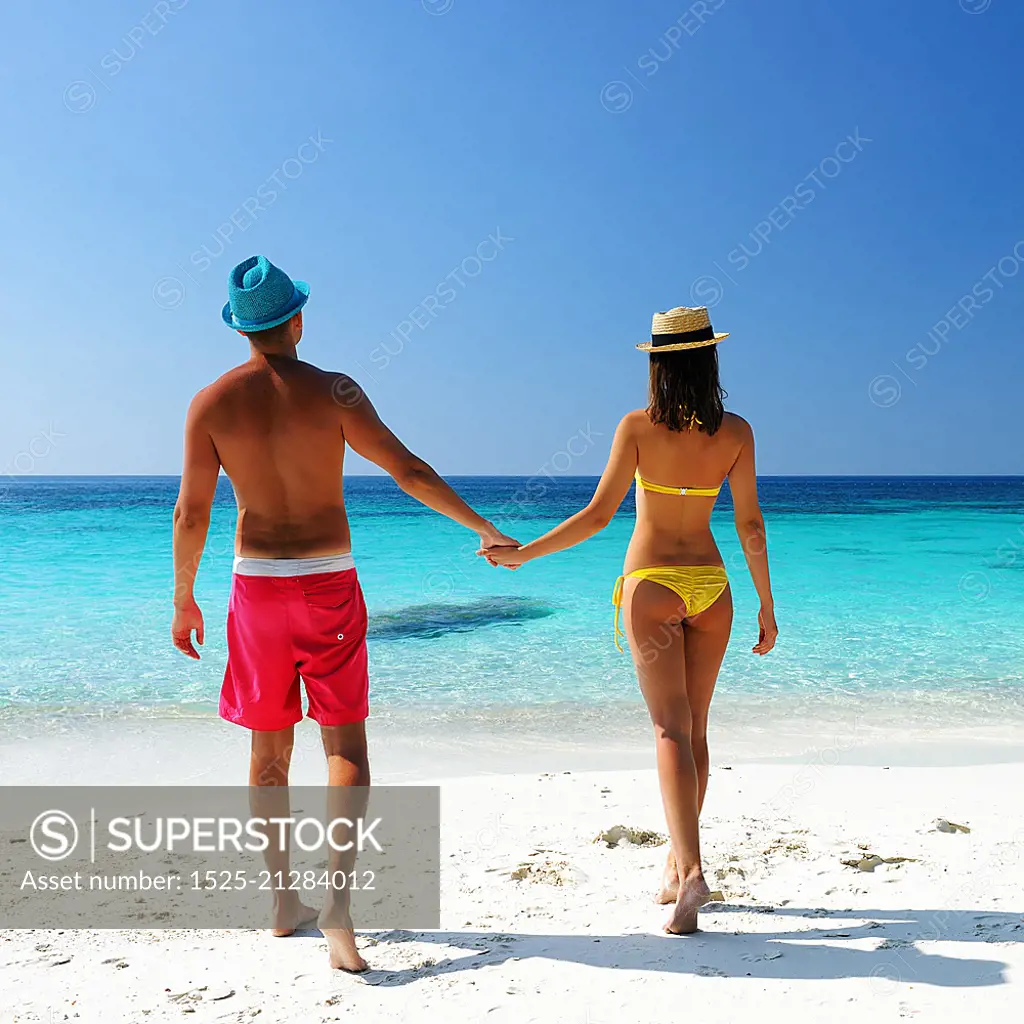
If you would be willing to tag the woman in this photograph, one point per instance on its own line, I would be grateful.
(674, 591)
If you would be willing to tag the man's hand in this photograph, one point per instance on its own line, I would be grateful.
(188, 617)
(493, 537)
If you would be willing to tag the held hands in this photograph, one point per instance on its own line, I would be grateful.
(768, 631)
(187, 617)
(497, 548)
(510, 556)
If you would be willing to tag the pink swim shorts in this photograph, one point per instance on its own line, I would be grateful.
(285, 628)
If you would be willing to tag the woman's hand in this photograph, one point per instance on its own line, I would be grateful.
(768, 631)
(508, 555)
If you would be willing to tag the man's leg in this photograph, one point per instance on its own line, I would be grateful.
(269, 763)
(348, 777)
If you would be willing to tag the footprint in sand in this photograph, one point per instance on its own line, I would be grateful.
(710, 972)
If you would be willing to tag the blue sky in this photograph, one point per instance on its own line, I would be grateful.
(489, 200)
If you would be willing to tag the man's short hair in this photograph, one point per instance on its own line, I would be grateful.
(272, 335)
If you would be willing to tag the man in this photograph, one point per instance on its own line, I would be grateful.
(279, 428)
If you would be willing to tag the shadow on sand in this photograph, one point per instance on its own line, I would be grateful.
(825, 952)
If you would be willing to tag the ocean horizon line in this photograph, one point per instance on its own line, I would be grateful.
(534, 476)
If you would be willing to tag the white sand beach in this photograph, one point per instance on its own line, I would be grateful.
(542, 923)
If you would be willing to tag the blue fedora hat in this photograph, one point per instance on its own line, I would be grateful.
(261, 296)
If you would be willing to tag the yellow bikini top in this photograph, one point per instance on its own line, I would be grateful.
(700, 492)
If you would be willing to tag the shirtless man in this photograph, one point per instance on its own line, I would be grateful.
(279, 427)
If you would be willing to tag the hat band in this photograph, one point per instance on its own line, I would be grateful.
(701, 334)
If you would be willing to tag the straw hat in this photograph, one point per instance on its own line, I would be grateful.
(679, 328)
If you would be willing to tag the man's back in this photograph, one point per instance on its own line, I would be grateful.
(278, 433)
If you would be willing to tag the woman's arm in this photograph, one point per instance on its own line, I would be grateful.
(750, 529)
(612, 488)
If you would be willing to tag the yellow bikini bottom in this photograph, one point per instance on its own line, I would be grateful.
(699, 586)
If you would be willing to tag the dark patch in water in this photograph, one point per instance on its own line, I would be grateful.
(431, 621)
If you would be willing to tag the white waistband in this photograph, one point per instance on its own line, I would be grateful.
(292, 566)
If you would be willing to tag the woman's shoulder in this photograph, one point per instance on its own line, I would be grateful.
(737, 425)
(635, 422)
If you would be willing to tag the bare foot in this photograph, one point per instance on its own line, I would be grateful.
(669, 882)
(693, 894)
(291, 914)
(341, 947)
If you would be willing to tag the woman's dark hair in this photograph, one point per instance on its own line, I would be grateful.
(685, 390)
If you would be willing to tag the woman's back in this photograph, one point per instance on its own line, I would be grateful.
(674, 529)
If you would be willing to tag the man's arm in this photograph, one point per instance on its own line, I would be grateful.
(191, 522)
(369, 437)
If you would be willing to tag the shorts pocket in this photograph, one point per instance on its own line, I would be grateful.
(330, 593)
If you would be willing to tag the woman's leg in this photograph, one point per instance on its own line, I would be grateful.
(705, 638)
(656, 639)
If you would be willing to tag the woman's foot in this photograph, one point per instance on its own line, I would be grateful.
(341, 947)
(669, 882)
(693, 894)
(289, 915)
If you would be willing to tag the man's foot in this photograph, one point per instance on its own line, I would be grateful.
(289, 915)
(341, 947)
(693, 894)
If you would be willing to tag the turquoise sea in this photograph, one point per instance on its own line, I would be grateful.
(900, 595)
